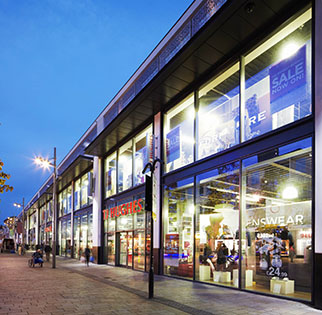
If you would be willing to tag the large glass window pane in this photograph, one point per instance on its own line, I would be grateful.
(278, 79)
(110, 175)
(217, 225)
(84, 189)
(143, 144)
(110, 241)
(60, 204)
(179, 134)
(218, 115)
(64, 202)
(178, 229)
(277, 223)
(83, 239)
(69, 199)
(124, 220)
(125, 167)
(77, 194)
(77, 233)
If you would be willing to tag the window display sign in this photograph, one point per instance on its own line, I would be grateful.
(288, 74)
(289, 214)
(123, 209)
(278, 94)
(171, 244)
(173, 144)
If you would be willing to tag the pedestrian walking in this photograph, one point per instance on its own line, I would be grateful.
(87, 255)
(47, 251)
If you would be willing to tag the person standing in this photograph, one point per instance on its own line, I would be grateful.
(87, 255)
(47, 251)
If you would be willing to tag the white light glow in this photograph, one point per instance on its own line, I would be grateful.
(289, 50)
(290, 192)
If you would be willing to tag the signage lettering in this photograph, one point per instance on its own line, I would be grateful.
(288, 74)
(123, 209)
(298, 219)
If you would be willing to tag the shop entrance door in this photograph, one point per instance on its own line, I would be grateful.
(125, 249)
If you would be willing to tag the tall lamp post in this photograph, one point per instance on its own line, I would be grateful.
(45, 163)
(149, 207)
(22, 205)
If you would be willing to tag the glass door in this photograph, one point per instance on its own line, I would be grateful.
(139, 250)
(123, 249)
(129, 249)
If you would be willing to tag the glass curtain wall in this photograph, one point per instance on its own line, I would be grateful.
(83, 191)
(217, 225)
(178, 229)
(277, 91)
(179, 134)
(277, 222)
(83, 237)
(65, 201)
(218, 114)
(64, 236)
(125, 233)
(110, 175)
(273, 189)
(278, 79)
(123, 168)
(142, 152)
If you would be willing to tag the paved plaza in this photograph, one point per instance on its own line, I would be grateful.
(73, 288)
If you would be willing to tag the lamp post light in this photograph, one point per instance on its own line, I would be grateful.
(149, 207)
(45, 163)
(22, 205)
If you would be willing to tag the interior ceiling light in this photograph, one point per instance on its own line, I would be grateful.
(289, 50)
(290, 192)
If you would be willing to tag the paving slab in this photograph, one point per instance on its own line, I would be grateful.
(73, 288)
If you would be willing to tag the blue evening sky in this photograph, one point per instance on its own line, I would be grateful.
(61, 62)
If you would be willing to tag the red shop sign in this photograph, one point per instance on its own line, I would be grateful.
(124, 209)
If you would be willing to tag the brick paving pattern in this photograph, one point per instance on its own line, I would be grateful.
(73, 288)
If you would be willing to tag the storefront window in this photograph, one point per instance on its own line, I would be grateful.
(217, 224)
(69, 199)
(218, 115)
(90, 231)
(110, 175)
(60, 204)
(84, 189)
(125, 167)
(277, 223)
(179, 134)
(278, 79)
(77, 228)
(139, 235)
(49, 210)
(143, 146)
(124, 222)
(42, 214)
(178, 229)
(77, 194)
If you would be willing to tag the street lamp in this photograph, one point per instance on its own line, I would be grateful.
(46, 164)
(22, 205)
(149, 207)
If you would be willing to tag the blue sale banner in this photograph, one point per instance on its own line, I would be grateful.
(288, 74)
(173, 144)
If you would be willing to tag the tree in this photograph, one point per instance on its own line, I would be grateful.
(3, 178)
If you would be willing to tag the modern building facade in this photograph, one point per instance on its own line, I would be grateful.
(229, 101)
